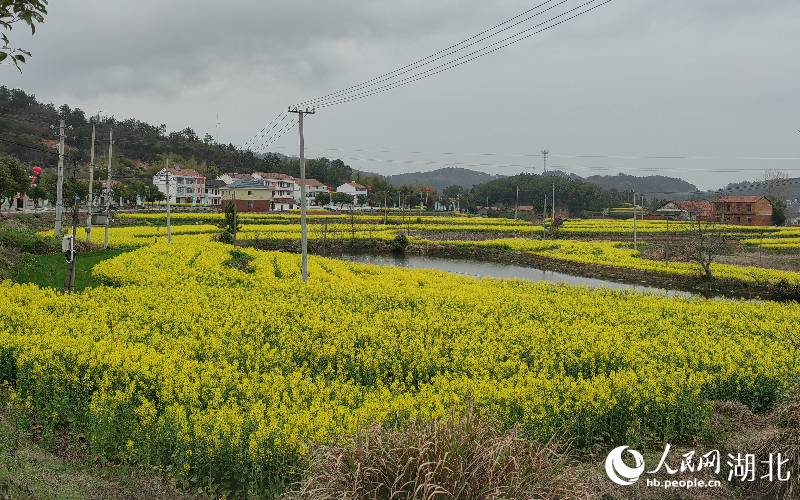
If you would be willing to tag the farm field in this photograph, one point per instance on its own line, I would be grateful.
(271, 230)
(220, 367)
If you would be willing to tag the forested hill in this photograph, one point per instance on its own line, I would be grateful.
(444, 177)
(653, 185)
(139, 149)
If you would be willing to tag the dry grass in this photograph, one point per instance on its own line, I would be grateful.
(462, 458)
(784, 439)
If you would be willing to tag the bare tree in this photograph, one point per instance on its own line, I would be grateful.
(776, 184)
(703, 242)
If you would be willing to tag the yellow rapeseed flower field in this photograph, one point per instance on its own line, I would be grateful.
(224, 376)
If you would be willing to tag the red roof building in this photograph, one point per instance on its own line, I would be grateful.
(743, 210)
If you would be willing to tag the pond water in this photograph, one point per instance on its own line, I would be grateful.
(482, 269)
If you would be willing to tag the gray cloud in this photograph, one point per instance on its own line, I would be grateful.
(714, 78)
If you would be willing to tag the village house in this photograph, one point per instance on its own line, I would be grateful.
(743, 210)
(685, 210)
(212, 193)
(352, 188)
(249, 196)
(282, 185)
(233, 177)
(184, 184)
(313, 187)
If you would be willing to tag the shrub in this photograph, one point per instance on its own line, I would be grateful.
(399, 243)
(26, 240)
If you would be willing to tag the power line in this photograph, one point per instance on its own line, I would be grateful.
(435, 57)
(351, 93)
(466, 58)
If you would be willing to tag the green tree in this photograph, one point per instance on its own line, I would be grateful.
(342, 198)
(12, 11)
(229, 224)
(778, 210)
(14, 179)
(69, 190)
(37, 194)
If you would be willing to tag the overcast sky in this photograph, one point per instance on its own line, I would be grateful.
(714, 80)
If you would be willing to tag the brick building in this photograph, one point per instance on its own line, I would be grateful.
(743, 210)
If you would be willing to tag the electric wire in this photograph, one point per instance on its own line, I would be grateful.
(463, 59)
(430, 56)
(435, 57)
(348, 95)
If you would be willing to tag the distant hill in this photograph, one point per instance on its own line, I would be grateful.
(653, 185)
(444, 177)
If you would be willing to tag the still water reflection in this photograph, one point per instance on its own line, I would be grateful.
(482, 269)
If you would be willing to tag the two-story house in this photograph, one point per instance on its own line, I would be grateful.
(281, 184)
(354, 189)
(743, 210)
(248, 195)
(313, 187)
(184, 184)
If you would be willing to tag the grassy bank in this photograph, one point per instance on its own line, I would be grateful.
(50, 270)
(59, 468)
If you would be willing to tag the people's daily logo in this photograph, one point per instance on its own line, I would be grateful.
(741, 467)
(619, 472)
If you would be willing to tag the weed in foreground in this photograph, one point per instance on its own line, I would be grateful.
(462, 458)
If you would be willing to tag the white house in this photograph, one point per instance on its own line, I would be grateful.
(313, 187)
(282, 185)
(352, 188)
(184, 184)
(211, 191)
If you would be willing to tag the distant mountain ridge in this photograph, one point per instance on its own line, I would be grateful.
(444, 177)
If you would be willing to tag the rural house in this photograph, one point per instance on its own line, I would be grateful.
(743, 210)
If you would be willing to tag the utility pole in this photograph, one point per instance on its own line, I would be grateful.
(60, 184)
(169, 226)
(516, 205)
(544, 219)
(544, 157)
(90, 204)
(235, 216)
(553, 218)
(666, 252)
(108, 183)
(634, 221)
(69, 280)
(303, 202)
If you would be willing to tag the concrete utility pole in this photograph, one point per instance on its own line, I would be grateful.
(544, 219)
(60, 184)
(72, 256)
(235, 216)
(634, 221)
(90, 204)
(553, 218)
(169, 226)
(108, 184)
(544, 157)
(303, 201)
(516, 205)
